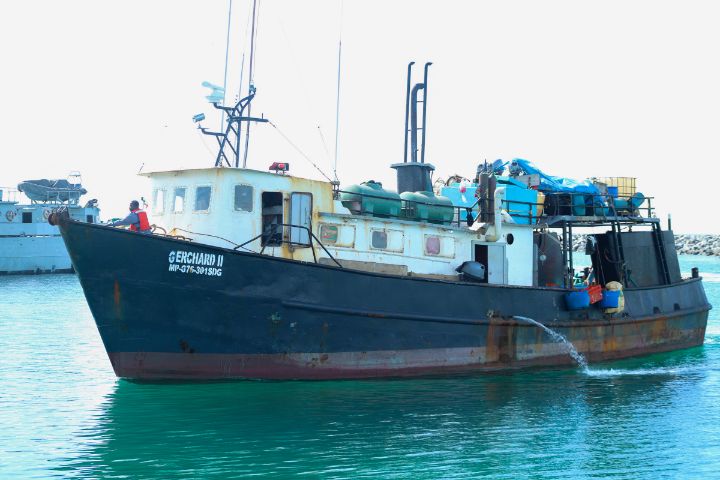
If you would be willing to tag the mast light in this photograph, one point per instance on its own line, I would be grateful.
(279, 167)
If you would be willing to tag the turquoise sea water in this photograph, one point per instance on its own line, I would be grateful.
(64, 414)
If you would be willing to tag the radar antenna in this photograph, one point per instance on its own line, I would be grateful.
(229, 140)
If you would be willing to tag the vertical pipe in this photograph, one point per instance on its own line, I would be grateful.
(413, 122)
(492, 184)
(571, 267)
(564, 255)
(407, 109)
(424, 112)
(484, 204)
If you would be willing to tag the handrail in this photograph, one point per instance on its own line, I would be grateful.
(597, 206)
(273, 231)
(600, 202)
(456, 215)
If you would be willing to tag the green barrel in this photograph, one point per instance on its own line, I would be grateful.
(369, 198)
(427, 207)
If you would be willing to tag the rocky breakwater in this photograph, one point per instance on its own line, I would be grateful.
(696, 244)
(687, 244)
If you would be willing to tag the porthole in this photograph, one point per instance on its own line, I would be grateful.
(510, 239)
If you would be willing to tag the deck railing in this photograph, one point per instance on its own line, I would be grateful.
(600, 207)
(408, 206)
(272, 231)
(581, 206)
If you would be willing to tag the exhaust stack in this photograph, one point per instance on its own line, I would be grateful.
(414, 175)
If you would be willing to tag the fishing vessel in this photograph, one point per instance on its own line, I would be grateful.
(28, 243)
(261, 274)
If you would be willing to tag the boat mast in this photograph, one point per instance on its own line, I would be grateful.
(227, 51)
(337, 102)
(251, 87)
(229, 136)
(337, 112)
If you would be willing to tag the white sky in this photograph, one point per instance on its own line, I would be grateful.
(611, 88)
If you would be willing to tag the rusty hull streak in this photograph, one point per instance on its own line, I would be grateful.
(116, 298)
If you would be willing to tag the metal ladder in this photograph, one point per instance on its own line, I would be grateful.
(660, 248)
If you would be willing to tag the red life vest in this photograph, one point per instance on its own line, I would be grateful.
(144, 223)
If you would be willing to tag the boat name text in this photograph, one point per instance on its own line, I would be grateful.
(196, 263)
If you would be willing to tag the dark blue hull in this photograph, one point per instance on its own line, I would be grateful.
(216, 313)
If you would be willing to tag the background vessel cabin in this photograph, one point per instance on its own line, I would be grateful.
(28, 243)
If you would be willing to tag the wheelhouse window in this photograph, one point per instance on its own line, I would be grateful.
(179, 200)
(202, 199)
(328, 233)
(388, 240)
(272, 219)
(439, 245)
(159, 202)
(243, 198)
(27, 217)
(432, 245)
(379, 239)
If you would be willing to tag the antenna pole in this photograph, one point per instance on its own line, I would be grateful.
(251, 87)
(227, 51)
(337, 111)
(337, 103)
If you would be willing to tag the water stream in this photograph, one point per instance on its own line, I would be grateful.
(571, 350)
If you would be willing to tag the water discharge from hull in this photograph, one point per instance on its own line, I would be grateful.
(602, 373)
(571, 350)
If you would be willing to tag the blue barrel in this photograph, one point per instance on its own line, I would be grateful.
(613, 192)
(611, 299)
(578, 202)
(577, 300)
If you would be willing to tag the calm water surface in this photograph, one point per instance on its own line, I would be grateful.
(64, 414)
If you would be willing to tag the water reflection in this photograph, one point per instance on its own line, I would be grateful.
(547, 422)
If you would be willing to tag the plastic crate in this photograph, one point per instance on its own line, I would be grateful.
(595, 292)
(626, 186)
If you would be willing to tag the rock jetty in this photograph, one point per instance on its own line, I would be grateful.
(687, 244)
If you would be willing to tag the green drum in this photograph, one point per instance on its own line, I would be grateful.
(427, 207)
(369, 198)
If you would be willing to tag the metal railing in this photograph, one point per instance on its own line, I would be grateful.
(592, 206)
(8, 194)
(409, 206)
(273, 231)
(600, 206)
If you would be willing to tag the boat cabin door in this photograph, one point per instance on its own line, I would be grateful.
(301, 215)
(272, 219)
(493, 257)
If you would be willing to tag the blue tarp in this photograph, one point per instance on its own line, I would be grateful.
(550, 183)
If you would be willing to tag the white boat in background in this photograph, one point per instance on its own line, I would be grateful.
(28, 243)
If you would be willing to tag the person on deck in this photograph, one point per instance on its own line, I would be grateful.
(137, 219)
